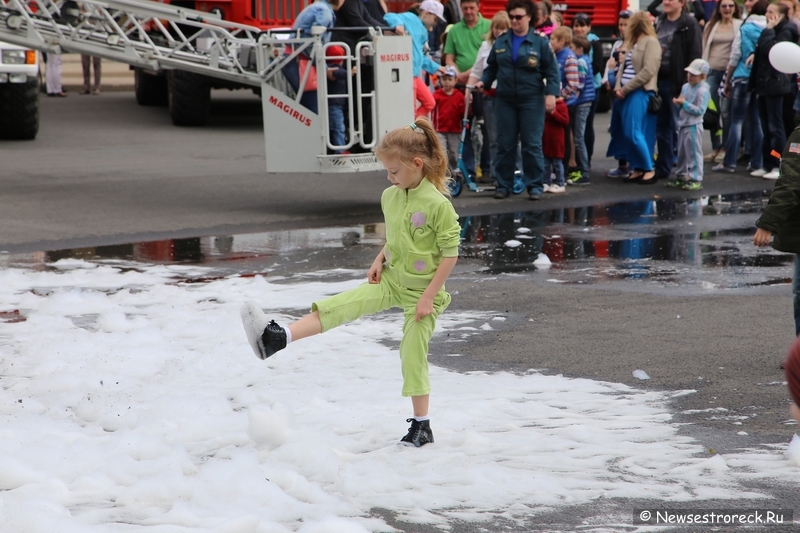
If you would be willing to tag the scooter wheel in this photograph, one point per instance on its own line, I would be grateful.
(456, 185)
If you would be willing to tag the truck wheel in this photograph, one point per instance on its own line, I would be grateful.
(151, 90)
(19, 110)
(189, 98)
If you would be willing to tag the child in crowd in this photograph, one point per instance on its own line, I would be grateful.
(553, 147)
(560, 40)
(337, 106)
(582, 27)
(583, 108)
(448, 114)
(409, 272)
(692, 102)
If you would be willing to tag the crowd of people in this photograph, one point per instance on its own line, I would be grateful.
(515, 68)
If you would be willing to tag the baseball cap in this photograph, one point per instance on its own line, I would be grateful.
(697, 67)
(451, 71)
(433, 6)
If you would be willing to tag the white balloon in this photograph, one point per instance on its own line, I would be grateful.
(785, 57)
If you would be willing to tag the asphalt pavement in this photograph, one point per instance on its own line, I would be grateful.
(106, 171)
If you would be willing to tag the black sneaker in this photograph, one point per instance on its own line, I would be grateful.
(265, 338)
(419, 433)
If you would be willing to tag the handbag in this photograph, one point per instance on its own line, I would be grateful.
(304, 64)
(654, 104)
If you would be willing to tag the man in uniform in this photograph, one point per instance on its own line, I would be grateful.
(781, 217)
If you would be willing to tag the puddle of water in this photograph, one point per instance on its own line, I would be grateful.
(702, 241)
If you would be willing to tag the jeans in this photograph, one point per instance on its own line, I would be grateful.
(666, 130)
(336, 125)
(719, 138)
(579, 133)
(589, 136)
(490, 119)
(468, 154)
(743, 106)
(523, 122)
(553, 166)
(796, 294)
(770, 110)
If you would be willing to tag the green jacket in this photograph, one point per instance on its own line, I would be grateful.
(781, 217)
(421, 228)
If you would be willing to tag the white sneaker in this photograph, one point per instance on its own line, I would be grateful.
(557, 189)
(546, 188)
(758, 172)
(775, 174)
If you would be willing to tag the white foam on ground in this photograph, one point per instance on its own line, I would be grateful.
(129, 400)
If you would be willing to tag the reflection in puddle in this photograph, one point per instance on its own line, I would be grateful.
(705, 241)
(697, 241)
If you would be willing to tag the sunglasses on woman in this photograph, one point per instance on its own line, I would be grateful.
(726, 6)
(517, 17)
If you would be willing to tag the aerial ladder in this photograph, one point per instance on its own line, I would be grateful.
(160, 37)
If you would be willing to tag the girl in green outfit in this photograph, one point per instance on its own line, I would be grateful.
(422, 238)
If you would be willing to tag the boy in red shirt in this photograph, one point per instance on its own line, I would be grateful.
(449, 111)
(553, 147)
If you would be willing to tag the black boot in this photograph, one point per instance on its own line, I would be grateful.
(272, 340)
(264, 337)
(419, 433)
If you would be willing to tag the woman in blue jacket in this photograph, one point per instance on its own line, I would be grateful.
(743, 101)
(527, 85)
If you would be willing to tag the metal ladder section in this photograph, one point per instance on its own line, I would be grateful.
(155, 36)
(144, 34)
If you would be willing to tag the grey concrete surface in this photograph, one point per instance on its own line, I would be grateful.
(105, 171)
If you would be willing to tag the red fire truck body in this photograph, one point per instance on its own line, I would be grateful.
(281, 13)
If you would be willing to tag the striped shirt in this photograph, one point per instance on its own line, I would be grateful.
(628, 73)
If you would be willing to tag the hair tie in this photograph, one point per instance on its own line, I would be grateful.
(412, 126)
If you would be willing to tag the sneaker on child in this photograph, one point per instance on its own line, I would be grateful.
(693, 186)
(578, 180)
(419, 433)
(556, 189)
(677, 183)
(775, 174)
(759, 172)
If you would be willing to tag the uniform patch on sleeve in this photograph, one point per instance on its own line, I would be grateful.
(794, 148)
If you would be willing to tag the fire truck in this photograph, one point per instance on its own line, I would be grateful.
(188, 95)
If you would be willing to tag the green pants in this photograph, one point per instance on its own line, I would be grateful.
(368, 299)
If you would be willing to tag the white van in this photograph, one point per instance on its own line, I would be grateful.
(19, 92)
